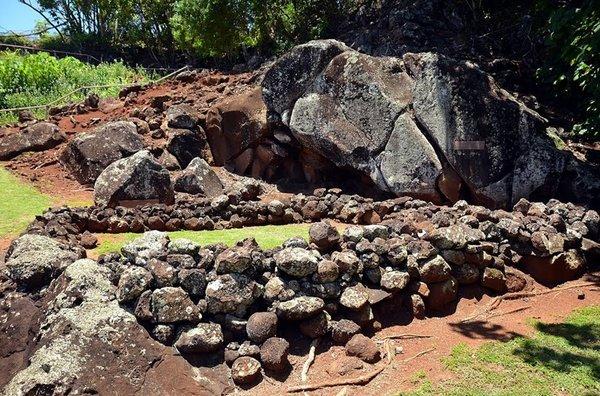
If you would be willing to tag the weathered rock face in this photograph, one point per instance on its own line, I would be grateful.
(80, 347)
(296, 71)
(138, 177)
(236, 125)
(182, 116)
(423, 125)
(38, 137)
(185, 145)
(199, 178)
(33, 259)
(494, 142)
(88, 155)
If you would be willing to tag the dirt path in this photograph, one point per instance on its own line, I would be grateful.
(446, 331)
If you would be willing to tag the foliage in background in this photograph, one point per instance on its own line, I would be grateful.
(211, 27)
(225, 27)
(205, 27)
(106, 23)
(559, 359)
(572, 61)
(27, 80)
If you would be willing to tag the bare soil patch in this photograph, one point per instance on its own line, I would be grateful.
(331, 363)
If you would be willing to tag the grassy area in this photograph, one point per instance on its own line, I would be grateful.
(19, 204)
(266, 236)
(559, 359)
(34, 79)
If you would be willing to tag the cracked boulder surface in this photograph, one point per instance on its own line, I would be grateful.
(76, 339)
(423, 125)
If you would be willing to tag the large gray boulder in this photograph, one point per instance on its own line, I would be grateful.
(37, 137)
(296, 71)
(136, 178)
(199, 178)
(422, 125)
(496, 144)
(33, 260)
(88, 155)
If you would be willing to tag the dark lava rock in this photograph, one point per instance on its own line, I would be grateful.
(364, 348)
(274, 354)
(88, 155)
(38, 137)
(199, 178)
(185, 145)
(182, 116)
(261, 326)
(204, 338)
(324, 235)
(136, 178)
(343, 330)
(245, 370)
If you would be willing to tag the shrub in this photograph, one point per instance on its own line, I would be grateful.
(572, 60)
(34, 79)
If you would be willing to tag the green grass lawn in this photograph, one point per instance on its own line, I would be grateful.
(19, 203)
(559, 359)
(267, 236)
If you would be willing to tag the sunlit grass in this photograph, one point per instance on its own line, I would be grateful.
(559, 359)
(267, 237)
(19, 203)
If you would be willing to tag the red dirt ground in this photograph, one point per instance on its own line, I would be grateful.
(44, 171)
(446, 332)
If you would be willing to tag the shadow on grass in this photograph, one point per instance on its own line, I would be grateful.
(562, 361)
(578, 336)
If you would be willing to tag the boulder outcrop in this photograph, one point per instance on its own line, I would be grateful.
(423, 125)
(37, 137)
(236, 125)
(137, 178)
(88, 155)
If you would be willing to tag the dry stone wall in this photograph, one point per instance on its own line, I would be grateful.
(401, 256)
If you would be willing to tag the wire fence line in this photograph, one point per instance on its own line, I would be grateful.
(63, 98)
(28, 48)
(70, 53)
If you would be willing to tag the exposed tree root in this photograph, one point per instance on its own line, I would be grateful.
(362, 380)
(495, 303)
(404, 337)
(426, 351)
(309, 360)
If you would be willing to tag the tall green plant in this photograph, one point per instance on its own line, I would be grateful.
(36, 79)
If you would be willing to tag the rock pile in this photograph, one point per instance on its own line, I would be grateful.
(414, 259)
(535, 236)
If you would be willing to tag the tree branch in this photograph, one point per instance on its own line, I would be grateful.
(28, 4)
